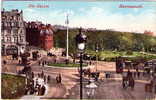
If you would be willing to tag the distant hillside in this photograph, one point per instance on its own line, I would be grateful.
(107, 40)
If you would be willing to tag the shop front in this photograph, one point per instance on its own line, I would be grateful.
(12, 50)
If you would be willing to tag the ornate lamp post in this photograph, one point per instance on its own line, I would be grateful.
(80, 42)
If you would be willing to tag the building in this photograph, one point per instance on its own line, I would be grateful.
(39, 35)
(33, 33)
(46, 37)
(149, 33)
(13, 34)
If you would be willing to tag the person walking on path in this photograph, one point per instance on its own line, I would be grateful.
(131, 83)
(48, 79)
(58, 78)
(45, 81)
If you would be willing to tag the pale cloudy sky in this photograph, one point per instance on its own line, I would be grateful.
(100, 15)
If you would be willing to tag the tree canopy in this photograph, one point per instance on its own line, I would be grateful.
(108, 40)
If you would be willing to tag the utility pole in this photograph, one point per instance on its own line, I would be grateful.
(67, 22)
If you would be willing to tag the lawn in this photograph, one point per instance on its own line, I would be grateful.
(12, 86)
(66, 65)
(130, 55)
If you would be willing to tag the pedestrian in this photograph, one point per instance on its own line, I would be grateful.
(124, 82)
(39, 89)
(4, 62)
(131, 83)
(43, 90)
(42, 74)
(44, 78)
(42, 63)
(55, 60)
(26, 90)
(39, 75)
(60, 78)
(37, 82)
(48, 78)
(35, 90)
(32, 73)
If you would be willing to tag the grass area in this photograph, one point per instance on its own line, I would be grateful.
(130, 55)
(66, 65)
(12, 86)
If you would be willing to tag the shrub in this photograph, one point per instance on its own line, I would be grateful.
(12, 86)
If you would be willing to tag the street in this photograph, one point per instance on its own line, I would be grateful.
(110, 88)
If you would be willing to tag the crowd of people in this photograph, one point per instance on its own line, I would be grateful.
(37, 85)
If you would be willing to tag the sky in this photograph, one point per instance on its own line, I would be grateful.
(99, 14)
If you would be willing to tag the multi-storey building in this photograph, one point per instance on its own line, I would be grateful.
(33, 33)
(149, 33)
(39, 35)
(46, 37)
(13, 34)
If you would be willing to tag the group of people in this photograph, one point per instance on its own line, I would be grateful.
(36, 85)
(42, 63)
(46, 78)
(151, 87)
(128, 80)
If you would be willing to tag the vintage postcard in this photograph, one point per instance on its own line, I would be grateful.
(69, 49)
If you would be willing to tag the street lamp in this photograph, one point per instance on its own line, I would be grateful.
(80, 43)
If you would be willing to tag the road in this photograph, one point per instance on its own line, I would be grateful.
(107, 88)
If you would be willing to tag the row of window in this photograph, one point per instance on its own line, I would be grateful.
(13, 39)
(13, 31)
(11, 17)
(12, 24)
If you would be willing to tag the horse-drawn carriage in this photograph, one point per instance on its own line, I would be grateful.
(87, 72)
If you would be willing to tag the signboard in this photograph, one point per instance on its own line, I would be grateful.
(10, 50)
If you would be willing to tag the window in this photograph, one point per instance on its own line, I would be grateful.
(12, 39)
(5, 24)
(2, 24)
(21, 39)
(15, 39)
(11, 18)
(8, 39)
(12, 24)
(9, 31)
(5, 39)
(14, 17)
(8, 23)
(15, 31)
(21, 24)
(2, 40)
